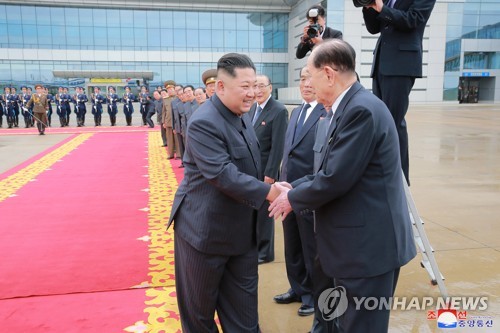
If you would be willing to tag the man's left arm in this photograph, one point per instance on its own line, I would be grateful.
(406, 20)
(279, 125)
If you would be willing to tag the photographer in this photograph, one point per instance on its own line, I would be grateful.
(315, 32)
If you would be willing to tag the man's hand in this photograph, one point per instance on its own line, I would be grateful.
(280, 206)
(268, 180)
(164, 125)
(377, 5)
(317, 39)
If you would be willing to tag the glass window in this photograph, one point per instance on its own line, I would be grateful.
(72, 16)
(3, 14)
(127, 18)
(13, 14)
(127, 35)
(229, 21)
(57, 16)
(166, 19)
(28, 14)
(114, 38)
(5, 72)
(100, 36)
(99, 16)
(58, 37)
(113, 18)
(140, 37)
(205, 39)
(154, 38)
(30, 35)
(86, 37)
(153, 19)
(86, 17)
(33, 71)
(15, 34)
(166, 39)
(205, 20)
(192, 41)
(217, 21)
(72, 35)
(230, 39)
(4, 37)
(18, 71)
(180, 21)
(217, 39)
(140, 19)
(242, 41)
(179, 39)
(180, 75)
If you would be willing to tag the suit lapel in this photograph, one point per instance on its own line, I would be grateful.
(336, 119)
(263, 114)
(291, 127)
(311, 120)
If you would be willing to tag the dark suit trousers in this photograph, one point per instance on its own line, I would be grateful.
(300, 251)
(265, 233)
(206, 283)
(395, 92)
(363, 320)
(180, 144)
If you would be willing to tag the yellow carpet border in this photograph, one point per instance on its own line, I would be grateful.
(10, 185)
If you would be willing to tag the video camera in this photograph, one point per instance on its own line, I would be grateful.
(314, 29)
(362, 3)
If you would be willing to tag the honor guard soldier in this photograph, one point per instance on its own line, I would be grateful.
(209, 77)
(81, 99)
(8, 110)
(40, 106)
(97, 101)
(112, 108)
(144, 100)
(23, 100)
(67, 104)
(128, 107)
(14, 104)
(50, 99)
(73, 100)
(61, 109)
(2, 106)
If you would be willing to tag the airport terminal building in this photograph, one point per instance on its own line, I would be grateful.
(127, 43)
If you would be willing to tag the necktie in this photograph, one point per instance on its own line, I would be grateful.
(391, 3)
(257, 114)
(301, 121)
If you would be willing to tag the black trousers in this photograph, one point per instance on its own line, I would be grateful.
(265, 233)
(300, 251)
(394, 91)
(206, 283)
(354, 320)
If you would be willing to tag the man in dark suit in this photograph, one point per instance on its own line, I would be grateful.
(214, 208)
(270, 119)
(362, 224)
(298, 231)
(397, 57)
(315, 32)
(177, 108)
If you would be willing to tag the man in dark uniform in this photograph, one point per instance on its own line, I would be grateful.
(144, 100)
(9, 110)
(61, 108)
(190, 106)
(81, 106)
(112, 108)
(2, 106)
(209, 77)
(128, 107)
(14, 104)
(67, 105)
(97, 101)
(50, 99)
(177, 108)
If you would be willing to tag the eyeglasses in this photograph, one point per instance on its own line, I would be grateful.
(262, 86)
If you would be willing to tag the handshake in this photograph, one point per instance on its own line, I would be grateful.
(278, 197)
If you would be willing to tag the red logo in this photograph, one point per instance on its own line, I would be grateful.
(462, 315)
(431, 315)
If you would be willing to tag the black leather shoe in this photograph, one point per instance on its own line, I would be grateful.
(305, 310)
(287, 298)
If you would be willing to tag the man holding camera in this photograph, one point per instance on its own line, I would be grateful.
(315, 32)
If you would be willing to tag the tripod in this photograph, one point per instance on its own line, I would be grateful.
(428, 260)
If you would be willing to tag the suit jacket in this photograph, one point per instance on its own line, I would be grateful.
(214, 207)
(177, 107)
(399, 48)
(40, 103)
(270, 129)
(297, 156)
(306, 46)
(363, 226)
(320, 140)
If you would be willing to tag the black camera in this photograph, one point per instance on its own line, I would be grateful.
(314, 29)
(362, 3)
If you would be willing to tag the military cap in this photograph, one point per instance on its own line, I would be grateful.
(209, 76)
(24, 87)
(169, 83)
(38, 85)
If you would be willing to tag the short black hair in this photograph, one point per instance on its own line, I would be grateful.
(189, 86)
(229, 62)
(202, 89)
(335, 53)
(321, 11)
